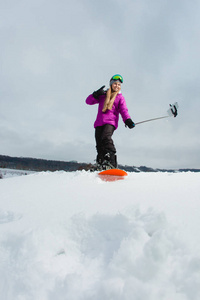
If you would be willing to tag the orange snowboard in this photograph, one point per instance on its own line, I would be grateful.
(112, 175)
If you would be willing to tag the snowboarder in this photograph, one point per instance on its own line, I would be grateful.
(111, 104)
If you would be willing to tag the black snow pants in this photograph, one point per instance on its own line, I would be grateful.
(104, 143)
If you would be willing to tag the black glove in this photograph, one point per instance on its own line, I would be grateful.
(129, 123)
(99, 92)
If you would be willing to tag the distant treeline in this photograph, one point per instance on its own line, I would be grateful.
(34, 164)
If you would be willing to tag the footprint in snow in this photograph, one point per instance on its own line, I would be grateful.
(9, 216)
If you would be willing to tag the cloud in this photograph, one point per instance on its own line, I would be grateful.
(56, 53)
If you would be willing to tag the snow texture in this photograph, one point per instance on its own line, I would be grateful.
(72, 236)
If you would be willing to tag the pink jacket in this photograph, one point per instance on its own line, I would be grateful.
(110, 116)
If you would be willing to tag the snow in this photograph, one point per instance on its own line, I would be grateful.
(5, 173)
(73, 236)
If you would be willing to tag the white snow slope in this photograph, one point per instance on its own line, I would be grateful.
(72, 236)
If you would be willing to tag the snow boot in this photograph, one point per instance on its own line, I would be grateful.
(110, 161)
(98, 165)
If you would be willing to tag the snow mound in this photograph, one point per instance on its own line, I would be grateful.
(73, 236)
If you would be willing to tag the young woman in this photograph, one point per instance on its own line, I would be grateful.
(111, 104)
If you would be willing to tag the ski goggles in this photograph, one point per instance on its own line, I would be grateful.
(117, 77)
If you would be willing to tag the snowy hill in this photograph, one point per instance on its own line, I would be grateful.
(72, 236)
(5, 173)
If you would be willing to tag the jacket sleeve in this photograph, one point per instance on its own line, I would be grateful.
(91, 100)
(123, 110)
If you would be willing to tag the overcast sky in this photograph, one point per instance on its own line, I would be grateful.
(55, 53)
